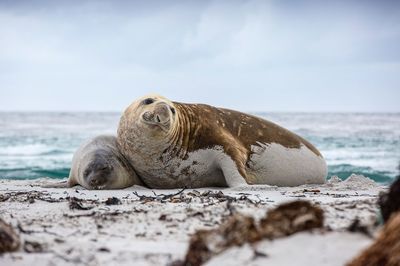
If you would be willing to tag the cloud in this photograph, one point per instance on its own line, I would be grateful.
(249, 55)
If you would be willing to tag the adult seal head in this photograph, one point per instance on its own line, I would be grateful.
(98, 164)
(173, 144)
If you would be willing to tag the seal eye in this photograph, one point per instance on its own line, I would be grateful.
(173, 110)
(148, 101)
(103, 168)
(86, 172)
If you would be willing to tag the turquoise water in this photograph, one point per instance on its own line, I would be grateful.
(34, 145)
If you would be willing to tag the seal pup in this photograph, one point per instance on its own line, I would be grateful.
(172, 144)
(98, 164)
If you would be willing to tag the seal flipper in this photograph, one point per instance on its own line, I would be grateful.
(233, 165)
(70, 182)
(60, 184)
(233, 171)
(232, 176)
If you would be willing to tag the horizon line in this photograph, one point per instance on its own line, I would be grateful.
(268, 111)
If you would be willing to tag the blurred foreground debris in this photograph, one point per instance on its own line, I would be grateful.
(9, 240)
(284, 220)
(385, 250)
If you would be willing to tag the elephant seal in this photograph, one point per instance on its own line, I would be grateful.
(172, 144)
(98, 164)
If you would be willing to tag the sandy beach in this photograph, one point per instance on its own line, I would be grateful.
(139, 226)
(269, 130)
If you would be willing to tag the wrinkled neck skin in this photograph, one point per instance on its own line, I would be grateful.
(152, 147)
(182, 133)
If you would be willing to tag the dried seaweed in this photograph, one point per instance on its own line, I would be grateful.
(9, 239)
(284, 220)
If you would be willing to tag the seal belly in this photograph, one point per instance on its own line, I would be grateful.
(274, 164)
(201, 168)
(198, 169)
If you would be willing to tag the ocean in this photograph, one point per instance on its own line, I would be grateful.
(41, 144)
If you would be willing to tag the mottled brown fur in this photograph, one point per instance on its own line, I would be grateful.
(209, 126)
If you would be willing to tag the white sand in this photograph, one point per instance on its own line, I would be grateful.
(156, 232)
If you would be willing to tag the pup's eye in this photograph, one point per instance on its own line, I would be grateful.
(86, 172)
(173, 110)
(148, 101)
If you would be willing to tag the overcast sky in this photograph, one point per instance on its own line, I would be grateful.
(249, 55)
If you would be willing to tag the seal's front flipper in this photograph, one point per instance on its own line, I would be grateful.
(232, 176)
(55, 184)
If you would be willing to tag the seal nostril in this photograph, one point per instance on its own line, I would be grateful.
(97, 181)
(158, 119)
